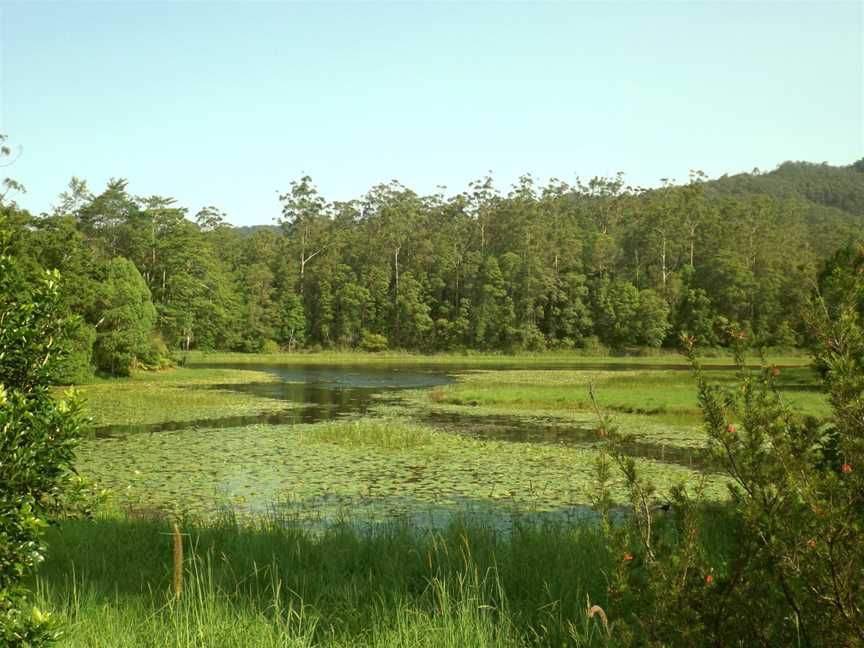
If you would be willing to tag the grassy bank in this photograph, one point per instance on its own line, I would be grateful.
(668, 395)
(111, 583)
(550, 358)
(658, 407)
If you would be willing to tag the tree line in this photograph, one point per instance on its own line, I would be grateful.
(587, 265)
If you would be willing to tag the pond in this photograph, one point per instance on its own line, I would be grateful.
(252, 463)
(329, 392)
(326, 393)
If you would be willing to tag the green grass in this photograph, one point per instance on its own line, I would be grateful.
(376, 434)
(550, 358)
(175, 395)
(328, 543)
(109, 581)
(191, 376)
(657, 406)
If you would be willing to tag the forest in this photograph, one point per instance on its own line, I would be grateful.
(594, 265)
(486, 495)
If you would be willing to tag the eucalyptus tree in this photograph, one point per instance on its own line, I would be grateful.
(604, 205)
(306, 223)
(482, 200)
(102, 219)
(391, 213)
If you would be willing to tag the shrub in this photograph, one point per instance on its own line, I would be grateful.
(591, 346)
(269, 346)
(791, 571)
(794, 524)
(373, 342)
(37, 444)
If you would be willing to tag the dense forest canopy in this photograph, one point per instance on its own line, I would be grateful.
(535, 267)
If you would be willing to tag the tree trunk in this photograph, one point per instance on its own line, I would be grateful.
(663, 260)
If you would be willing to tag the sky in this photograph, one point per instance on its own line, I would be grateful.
(225, 104)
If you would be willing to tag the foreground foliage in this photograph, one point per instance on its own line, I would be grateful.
(796, 576)
(278, 583)
(39, 434)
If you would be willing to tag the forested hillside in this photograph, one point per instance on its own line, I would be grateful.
(532, 267)
(823, 184)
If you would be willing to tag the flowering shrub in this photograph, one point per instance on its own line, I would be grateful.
(787, 559)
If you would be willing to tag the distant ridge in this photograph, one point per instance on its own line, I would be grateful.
(840, 187)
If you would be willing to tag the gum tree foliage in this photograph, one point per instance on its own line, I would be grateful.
(560, 265)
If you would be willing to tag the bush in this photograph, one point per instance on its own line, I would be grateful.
(373, 342)
(76, 364)
(794, 525)
(269, 346)
(124, 335)
(37, 444)
(592, 346)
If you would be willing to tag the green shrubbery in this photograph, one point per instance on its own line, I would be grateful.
(791, 572)
(39, 433)
(373, 342)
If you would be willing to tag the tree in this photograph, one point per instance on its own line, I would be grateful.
(652, 319)
(127, 318)
(695, 316)
(292, 321)
(615, 311)
(304, 220)
(552, 266)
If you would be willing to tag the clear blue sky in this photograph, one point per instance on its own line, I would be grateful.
(225, 104)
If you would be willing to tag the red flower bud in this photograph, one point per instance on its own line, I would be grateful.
(628, 557)
(846, 468)
(709, 579)
(731, 429)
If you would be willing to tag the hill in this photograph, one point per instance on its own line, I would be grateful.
(839, 187)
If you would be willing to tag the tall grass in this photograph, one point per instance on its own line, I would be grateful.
(111, 581)
(383, 434)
